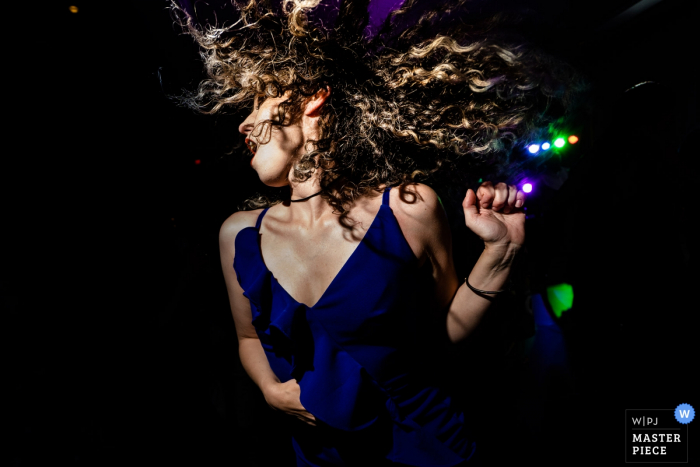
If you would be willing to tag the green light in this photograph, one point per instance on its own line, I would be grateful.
(561, 298)
(480, 180)
(559, 142)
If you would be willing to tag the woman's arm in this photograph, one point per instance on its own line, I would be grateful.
(495, 214)
(280, 396)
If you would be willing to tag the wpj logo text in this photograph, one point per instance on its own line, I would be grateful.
(657, 435)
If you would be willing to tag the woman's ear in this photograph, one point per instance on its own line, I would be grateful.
(315, 102)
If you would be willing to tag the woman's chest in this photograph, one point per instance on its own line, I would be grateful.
(306, 264)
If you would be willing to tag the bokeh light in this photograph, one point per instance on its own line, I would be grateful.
(533, 148)
(561, 298)
(73, 9)
(197, 161)
(573, 139)
(545, 146)
(559, 142)
(527, 187)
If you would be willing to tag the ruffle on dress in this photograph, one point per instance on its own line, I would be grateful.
(334, 387)
(349, 360)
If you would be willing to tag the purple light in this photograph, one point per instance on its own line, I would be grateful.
(527, 187)
(378, 11)
(533, 148)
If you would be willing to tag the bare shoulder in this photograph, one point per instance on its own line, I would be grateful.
(417, 202)
(235, 223)
(421, 218)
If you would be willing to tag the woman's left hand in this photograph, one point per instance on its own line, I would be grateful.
(495, 213)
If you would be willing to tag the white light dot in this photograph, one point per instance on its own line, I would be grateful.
(533, 148)
(527, 188)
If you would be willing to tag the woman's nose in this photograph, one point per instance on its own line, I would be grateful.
(247, 125)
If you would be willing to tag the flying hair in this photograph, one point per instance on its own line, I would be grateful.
(424, 95)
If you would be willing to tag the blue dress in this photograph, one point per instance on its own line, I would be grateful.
(352, 354)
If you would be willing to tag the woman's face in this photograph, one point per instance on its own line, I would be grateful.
(274, 147)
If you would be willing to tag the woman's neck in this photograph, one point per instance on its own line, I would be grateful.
(306, 202)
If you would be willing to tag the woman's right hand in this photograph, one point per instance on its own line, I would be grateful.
(286, 397)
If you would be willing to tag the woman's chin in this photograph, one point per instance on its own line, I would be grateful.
(271, 178)
(273, 182)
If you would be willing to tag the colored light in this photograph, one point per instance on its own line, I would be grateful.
(73, 9)
(527, 187)
(559, 142)
(545, 146)
(533, 148)
(561, 298)
(573, 139)
(197, 162)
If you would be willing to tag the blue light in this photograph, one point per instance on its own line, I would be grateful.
(533, 148)
(545, 146)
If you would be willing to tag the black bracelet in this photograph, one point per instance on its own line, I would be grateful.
(481, 292)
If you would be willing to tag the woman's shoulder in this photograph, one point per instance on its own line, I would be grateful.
(420, 216)
(235, 223)
(416, 200)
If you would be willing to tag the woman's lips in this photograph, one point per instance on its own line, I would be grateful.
(251, 145)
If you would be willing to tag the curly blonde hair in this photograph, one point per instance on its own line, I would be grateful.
(425, 95)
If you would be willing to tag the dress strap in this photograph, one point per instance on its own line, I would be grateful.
(262, 214)
(385, 196)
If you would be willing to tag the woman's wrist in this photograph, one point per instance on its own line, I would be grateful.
(500, 256)
(267, 386)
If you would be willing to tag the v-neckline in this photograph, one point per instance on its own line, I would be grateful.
(325, 292)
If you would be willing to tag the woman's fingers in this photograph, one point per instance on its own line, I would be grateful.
(301, 414)
(510, 204)
(469, 204)
(306, 417)
(500, 197)
(485, 194)
(295, 403)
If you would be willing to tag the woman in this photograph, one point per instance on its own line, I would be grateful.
(326, 286)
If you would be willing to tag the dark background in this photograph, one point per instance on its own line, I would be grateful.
(120, 343)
